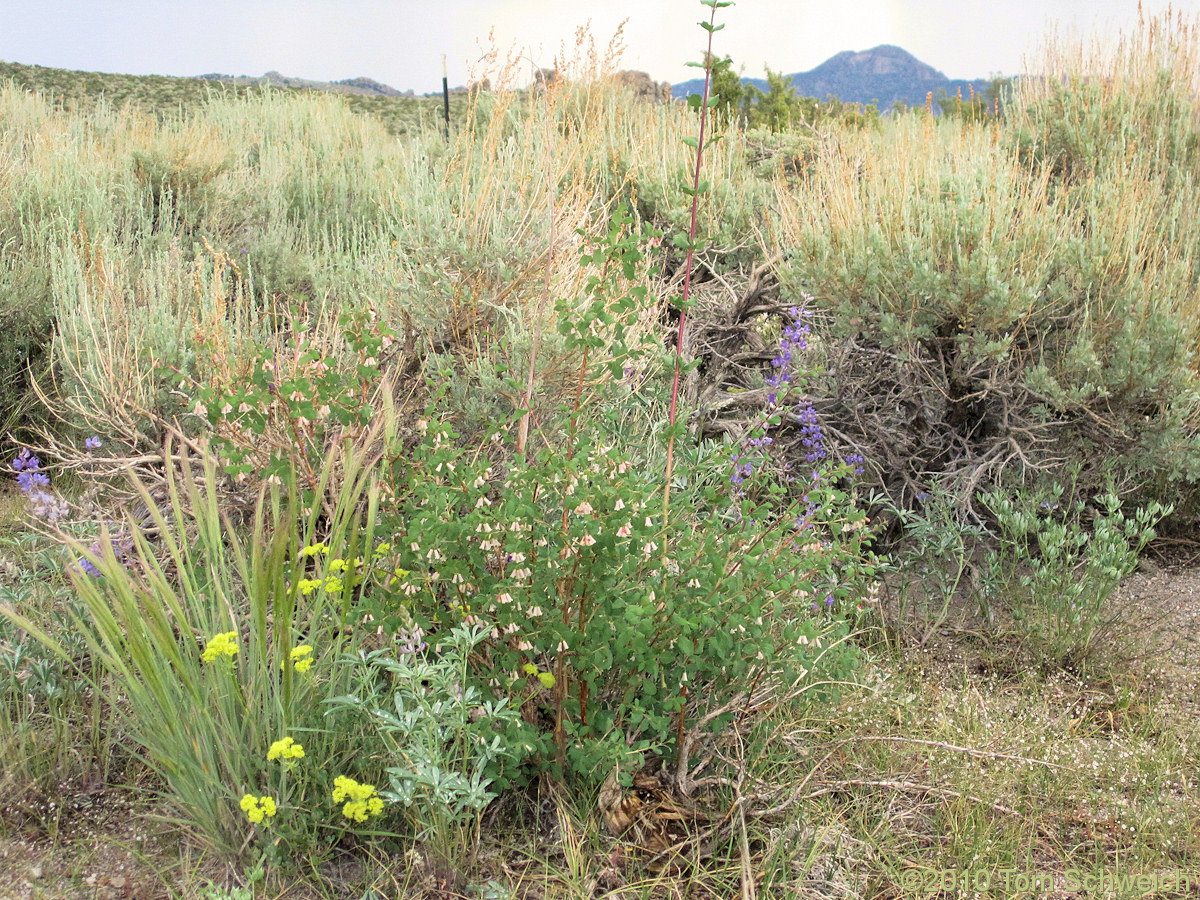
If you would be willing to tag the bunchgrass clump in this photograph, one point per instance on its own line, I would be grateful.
(216, 661)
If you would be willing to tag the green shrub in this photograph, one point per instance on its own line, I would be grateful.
(26, 328)
(612, 627)
(274, 416)
(1055, 571)
(619, 624)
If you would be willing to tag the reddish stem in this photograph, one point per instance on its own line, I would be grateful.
(687, 276)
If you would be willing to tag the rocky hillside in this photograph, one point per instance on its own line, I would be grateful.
(883, 75)
(367, 87)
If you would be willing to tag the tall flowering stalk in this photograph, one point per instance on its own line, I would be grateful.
(550, 95)
(698, 143)
(696, 189)
(785, 378)
(793, 342)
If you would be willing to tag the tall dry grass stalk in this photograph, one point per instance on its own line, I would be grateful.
(1132, 62)
(467, 247)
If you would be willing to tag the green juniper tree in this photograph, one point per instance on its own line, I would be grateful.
(778, 107)
(727, 87)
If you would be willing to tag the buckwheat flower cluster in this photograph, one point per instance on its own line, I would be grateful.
(361, 800)
(258, 809)
(546, 679)
(300, 658)
(285, 749)
(220, 646)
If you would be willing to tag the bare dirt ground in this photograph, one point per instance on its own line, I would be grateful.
(101, 851)
(1167, 600)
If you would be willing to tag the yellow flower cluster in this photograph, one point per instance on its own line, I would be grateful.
(331, 583)
(285, 748)
(301, 658)
(258, 808)
(224, 644)
(547, 680)
(341, 571)
(362, 800)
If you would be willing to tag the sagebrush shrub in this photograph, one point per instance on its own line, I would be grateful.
(987, 323)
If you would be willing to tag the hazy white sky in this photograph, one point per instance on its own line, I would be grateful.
(401, 42)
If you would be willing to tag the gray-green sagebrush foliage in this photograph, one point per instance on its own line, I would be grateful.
(995, 315)
(127, 241)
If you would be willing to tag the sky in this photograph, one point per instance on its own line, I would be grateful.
(402, 42)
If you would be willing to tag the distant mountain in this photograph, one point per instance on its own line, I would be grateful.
(882, 75)
(360, 86)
